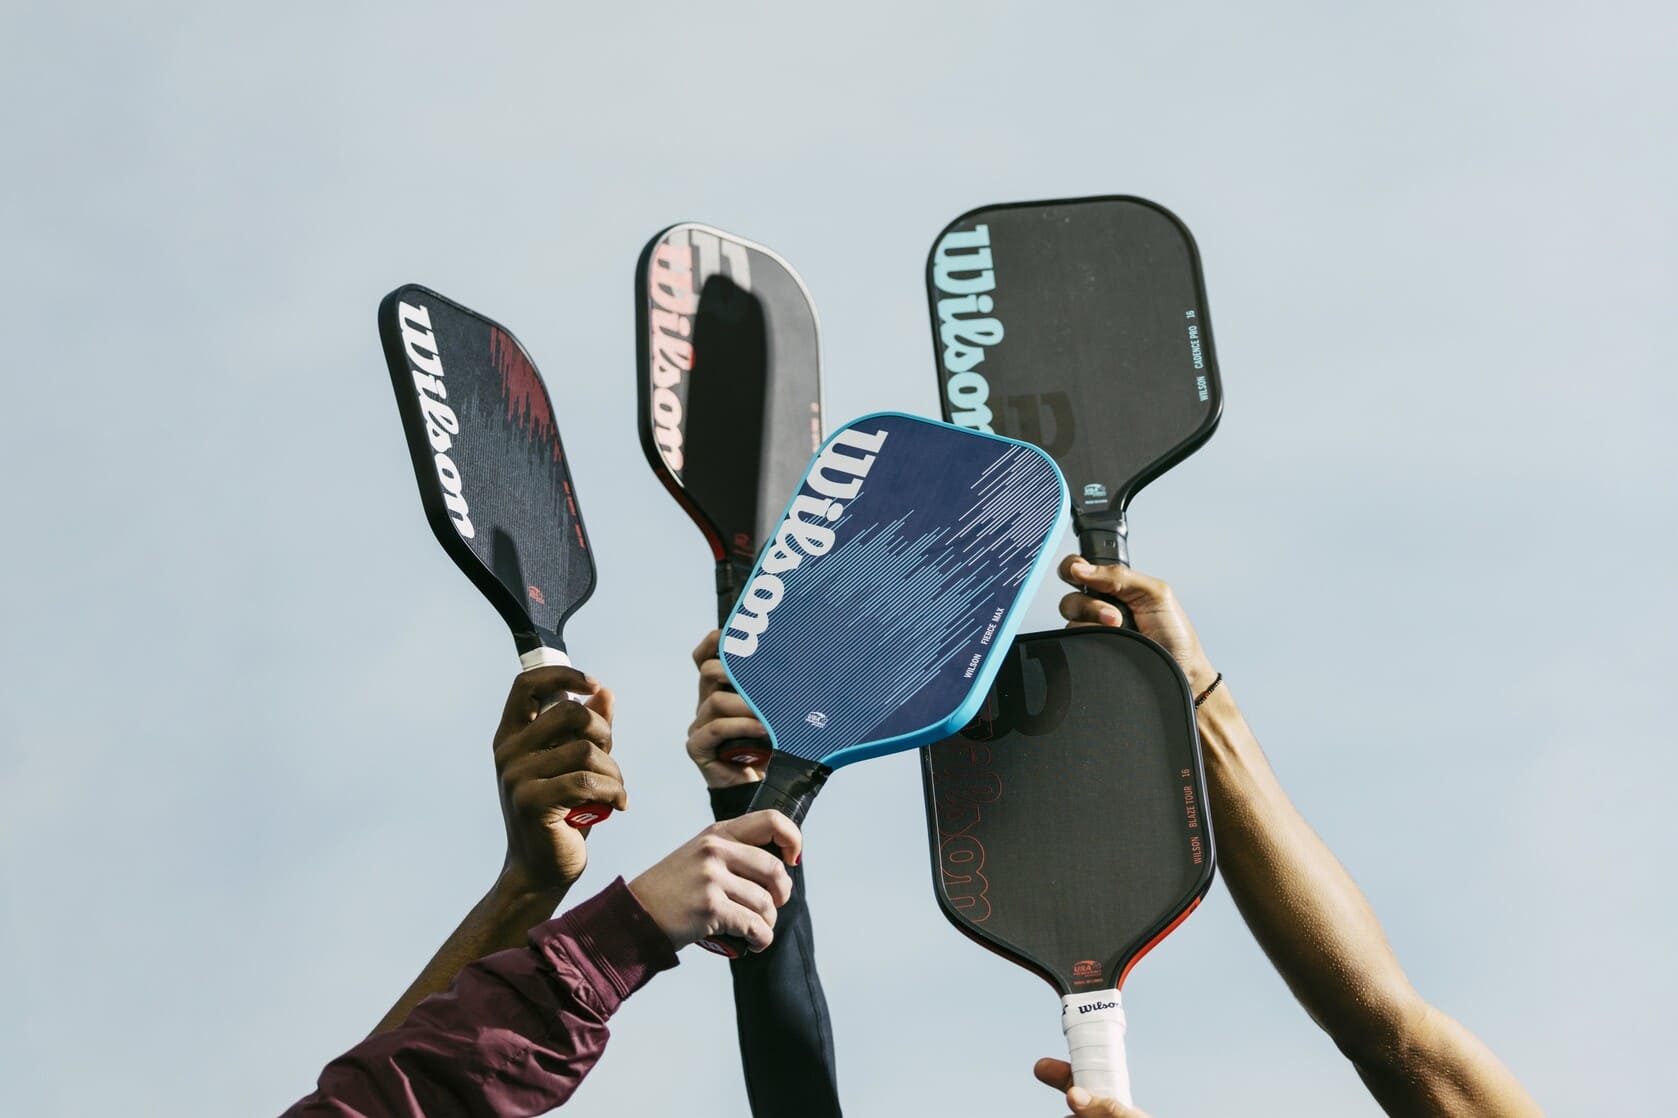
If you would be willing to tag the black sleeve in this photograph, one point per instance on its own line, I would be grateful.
(786, 1038)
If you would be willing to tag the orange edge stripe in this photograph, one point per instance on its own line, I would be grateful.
(1151, 944)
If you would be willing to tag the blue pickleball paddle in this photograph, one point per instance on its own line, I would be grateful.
(878, 615)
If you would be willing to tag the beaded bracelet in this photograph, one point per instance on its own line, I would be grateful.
(1206, 694)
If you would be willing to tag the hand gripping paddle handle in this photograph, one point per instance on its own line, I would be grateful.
(745, 752)
(1104, 547)
(583, 815)
(1094, 1028)
(789, 787)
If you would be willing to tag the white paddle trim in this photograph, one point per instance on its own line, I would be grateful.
(1094, 1026)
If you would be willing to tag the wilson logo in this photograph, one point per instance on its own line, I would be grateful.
(1096, 1007)
(966, 786)
(673, 287)
(419, 344)
(671, 290)
(836, 476)
(962, 271)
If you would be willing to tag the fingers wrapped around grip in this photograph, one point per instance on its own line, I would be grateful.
(569, 775)
(535, 688)
(720, 883)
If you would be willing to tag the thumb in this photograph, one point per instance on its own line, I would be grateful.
(601, 703)
(766, 828)
(1086, 1105)
(1115, 580)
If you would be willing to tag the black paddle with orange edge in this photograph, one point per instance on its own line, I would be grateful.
(492, 474)
(1068, 824)
(729, 384)
(1079, 325)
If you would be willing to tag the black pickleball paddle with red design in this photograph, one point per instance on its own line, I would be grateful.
(492, 472)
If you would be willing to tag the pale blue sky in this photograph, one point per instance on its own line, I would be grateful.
(245, 785)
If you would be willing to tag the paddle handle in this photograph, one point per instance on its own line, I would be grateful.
(789, 787)
(1094, 1028)
(1104, 547)
(745, 752)
(583, 815)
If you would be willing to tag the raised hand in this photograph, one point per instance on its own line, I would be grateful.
(1058, 1074)
(720, 883)
(722, 717)
(1159, 616)
(548, 762)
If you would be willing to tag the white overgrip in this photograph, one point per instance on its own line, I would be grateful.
(544, 657)
(1094, 1028)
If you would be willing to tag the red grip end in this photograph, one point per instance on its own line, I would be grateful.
(587, 815)
(745, 754)
(724, 946)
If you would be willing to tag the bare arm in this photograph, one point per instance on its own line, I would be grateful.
(1298, 900)
(498, 922)
(546, 763)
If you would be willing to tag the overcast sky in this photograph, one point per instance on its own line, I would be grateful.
(246, 702)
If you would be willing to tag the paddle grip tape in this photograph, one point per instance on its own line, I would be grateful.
(745, 752)
(583, 815)
(1104, 547)
(1094, 1028)
(789, 787)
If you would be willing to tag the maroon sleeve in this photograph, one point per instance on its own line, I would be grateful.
(516, 1032)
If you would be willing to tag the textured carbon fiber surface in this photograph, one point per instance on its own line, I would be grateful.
(1067, 822)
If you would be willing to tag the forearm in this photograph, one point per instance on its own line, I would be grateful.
(498, 922)
(1300, 903)
(1323, 937)
(786, 1036)
(517, 1031)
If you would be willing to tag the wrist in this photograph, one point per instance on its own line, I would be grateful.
(649, 897)
(1200, 674)
(1219, 720)
(515, 895)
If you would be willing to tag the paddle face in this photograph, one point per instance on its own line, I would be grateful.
(1080, 326)
(876, 617)
(486, 451)
(1067, 822)
(729, 382)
